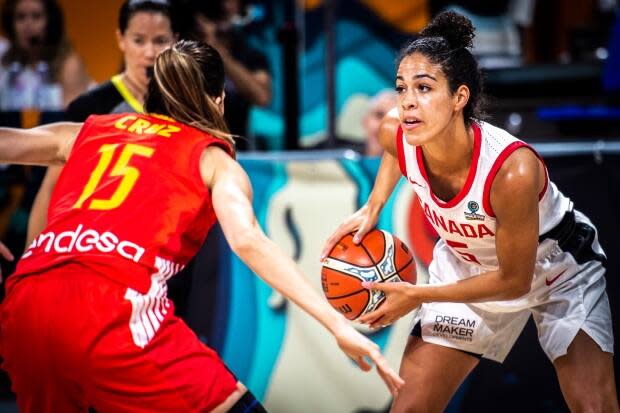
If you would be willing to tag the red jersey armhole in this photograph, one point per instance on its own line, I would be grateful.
(207, 141)
(486, 197)
(81, 133)
(401, 151)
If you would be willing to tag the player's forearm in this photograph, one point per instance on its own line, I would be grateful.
(385, 182)
(488, 286)
(17, 147)
(267, 260)
(43, 145)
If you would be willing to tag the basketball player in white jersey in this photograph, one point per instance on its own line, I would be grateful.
(511, 244)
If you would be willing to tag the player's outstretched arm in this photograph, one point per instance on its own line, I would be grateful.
(43, 145)
(365, 219)
(231, 195)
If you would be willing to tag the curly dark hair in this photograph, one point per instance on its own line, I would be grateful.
(445, 41)
(54, 44)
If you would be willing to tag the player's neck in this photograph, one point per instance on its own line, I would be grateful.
(451, 151)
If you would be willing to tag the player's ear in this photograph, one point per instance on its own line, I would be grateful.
(219, 101)
(120, 40)
(461, 97)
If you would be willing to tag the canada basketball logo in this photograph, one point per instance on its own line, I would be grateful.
(473, 208)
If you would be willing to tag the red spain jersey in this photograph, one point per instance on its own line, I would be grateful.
(130, 201)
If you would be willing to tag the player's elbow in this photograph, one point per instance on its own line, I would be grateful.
(518, 288)
(244, 241)
(515, 285)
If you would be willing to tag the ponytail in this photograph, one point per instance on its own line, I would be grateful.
(187, 78)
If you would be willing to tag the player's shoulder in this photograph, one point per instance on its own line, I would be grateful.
(512, 155)
(495, 139)
(388, 130)
(519, 172)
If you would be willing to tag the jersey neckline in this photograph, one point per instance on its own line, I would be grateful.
(473, 167)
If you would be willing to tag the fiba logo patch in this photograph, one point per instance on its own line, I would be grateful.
(473, 209)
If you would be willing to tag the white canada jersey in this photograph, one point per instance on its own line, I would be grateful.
(467, 223)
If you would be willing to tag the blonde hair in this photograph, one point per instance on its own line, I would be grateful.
(187, 78)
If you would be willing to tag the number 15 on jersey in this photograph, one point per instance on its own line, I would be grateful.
(121, 168)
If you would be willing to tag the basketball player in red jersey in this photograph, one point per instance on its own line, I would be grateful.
(511, 245)
(86, 321)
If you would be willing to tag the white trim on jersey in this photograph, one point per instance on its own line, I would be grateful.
(150, 309)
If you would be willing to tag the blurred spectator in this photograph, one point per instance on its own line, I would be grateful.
(499, 27)
(248, 80)
(379, 105)
(144, 29)
(39, 68)
(3, 46)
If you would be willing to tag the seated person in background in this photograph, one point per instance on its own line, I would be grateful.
(379, 105)
(39, 69)
(145, 28)
(248, 81)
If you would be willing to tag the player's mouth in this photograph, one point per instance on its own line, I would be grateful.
(410, 122)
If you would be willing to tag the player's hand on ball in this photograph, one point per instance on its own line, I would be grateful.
(360, 222)
(399, 301)
(359, 348)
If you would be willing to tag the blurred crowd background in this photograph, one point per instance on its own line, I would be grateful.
(311, 75)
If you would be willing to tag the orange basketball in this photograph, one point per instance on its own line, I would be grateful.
(380, 257)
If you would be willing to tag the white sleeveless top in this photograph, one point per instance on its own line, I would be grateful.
(467, 223)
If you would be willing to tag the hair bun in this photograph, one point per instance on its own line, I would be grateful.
(455, 28)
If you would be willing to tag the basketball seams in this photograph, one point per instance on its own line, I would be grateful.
(388, 244)
(398, 270)
(341, 266)
(348, 295)
(375, 264)
(348, 275)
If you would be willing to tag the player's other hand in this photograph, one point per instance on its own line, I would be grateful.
(400, 300)
(360, 349)
(361, 222)
(6, 254)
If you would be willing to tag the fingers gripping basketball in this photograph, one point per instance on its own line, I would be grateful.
(380, 257)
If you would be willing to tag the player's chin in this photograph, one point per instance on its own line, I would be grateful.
(414, 138)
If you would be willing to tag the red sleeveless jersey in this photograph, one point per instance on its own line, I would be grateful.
(130, 201)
